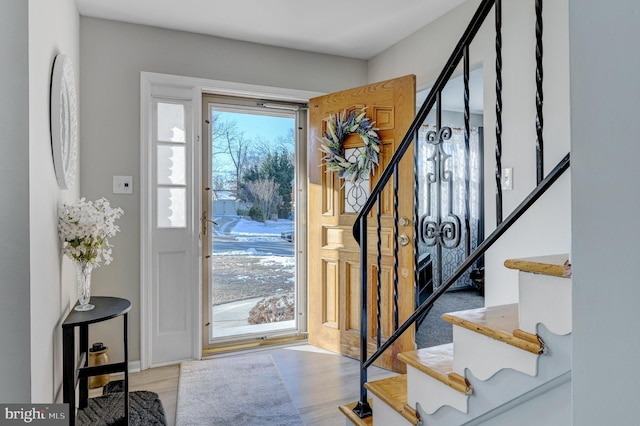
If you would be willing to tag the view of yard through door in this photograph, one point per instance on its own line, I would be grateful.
(252, 259)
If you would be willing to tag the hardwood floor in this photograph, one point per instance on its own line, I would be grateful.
(317, 380)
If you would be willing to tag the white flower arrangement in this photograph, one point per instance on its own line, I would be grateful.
(84, 227)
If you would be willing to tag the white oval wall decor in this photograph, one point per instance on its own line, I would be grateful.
(64, 121)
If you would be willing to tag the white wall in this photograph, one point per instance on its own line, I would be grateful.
(546, 228)
(15, 367)
(53, 29)
(605, 150)
(112, 56)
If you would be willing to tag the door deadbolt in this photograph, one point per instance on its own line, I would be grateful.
(403, 239)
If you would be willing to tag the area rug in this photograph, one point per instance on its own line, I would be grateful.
(238, 391)
(145, 409)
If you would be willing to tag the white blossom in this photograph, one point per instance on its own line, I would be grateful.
(85, 226)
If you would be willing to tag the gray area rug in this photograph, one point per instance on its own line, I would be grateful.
(235, 391)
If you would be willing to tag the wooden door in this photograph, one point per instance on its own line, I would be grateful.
(334, 256)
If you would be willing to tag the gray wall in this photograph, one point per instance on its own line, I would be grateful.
(53, 29)
(112, 56)
(605, 150)
(37, 290)
(15, 368)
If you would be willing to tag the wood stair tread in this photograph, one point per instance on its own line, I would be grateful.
(437, 362)
(557, 265)
(393, 391)
(499, 323)
(347, 410)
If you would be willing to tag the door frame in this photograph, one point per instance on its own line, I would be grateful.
(297, 112)
(153, 82)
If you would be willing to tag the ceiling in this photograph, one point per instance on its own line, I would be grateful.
(352, 28)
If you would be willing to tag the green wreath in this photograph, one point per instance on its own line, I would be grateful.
(338, 128)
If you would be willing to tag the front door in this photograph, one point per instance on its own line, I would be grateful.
(334, 257)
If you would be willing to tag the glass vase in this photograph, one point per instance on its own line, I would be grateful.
(83, 276)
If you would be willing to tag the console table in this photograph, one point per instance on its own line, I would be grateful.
(76, 369)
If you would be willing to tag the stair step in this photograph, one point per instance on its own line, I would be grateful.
(393, 392)
(437, 362)
(557, 265)
(544, 289)
(499, 323)
(347, 410)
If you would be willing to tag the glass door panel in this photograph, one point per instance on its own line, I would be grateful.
(252, 280)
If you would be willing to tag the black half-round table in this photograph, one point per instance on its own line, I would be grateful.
(76, 369)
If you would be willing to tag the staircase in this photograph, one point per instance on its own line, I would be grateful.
(508, 364)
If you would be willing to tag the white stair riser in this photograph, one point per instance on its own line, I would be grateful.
(432, 394)
(544, 299)
(386, 415)
(485, 356)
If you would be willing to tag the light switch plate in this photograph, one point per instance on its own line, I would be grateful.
(123, 184)
(507, 179)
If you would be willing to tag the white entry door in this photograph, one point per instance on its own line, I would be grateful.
(172, 228)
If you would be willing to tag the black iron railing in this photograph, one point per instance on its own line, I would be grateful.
(546, 183)
(450, 227)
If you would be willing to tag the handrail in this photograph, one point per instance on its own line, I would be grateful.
(539, 190)
(425, 109)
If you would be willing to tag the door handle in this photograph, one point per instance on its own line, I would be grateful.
(403, 239)
(204, 223)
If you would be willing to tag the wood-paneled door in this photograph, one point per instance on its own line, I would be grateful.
(334, 257)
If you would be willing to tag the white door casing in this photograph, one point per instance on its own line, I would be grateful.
(170, 262)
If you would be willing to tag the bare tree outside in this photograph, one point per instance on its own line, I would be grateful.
(230, 140)
(284, 143)
(265, 195)
(219, 125)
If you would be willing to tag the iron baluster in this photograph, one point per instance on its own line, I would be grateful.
(437, 271)
(396, 235)
(379, 272)
(363, 409)
(416, 212)
(539, 95)
(467, 164)
(498, 12)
